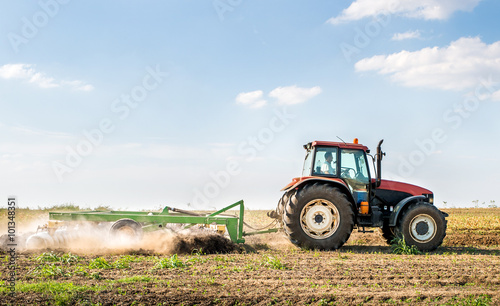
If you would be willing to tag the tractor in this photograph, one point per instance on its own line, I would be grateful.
(337, 193)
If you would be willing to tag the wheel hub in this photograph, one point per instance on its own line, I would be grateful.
(319, 218)
(423, 228)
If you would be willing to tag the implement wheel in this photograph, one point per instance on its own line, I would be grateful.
(126, 230)
(423, 226)
(318, 216)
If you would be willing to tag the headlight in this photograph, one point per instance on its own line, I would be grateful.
(430, 197)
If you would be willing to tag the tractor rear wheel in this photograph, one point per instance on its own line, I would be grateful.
(423, 226)
(318, 216)
(280, 209)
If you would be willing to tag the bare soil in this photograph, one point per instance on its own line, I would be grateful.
(266, 270)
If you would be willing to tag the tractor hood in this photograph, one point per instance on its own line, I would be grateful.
(403, 187)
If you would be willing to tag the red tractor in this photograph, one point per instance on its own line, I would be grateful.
(337, 193)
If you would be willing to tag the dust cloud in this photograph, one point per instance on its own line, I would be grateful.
(88, 238)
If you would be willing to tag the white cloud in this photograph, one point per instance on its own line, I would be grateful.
(29, 131)
(287, 95)
(78, 85)
(294, 95)
(252, 99)
(422, 9)
(406, 35)
(461, 65)
(28, 73)
(31, 134)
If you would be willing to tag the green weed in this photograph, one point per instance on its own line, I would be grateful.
(275, 263)
(399, 246)
(135, 279)
(65, 293)
(471, 300)
(122, 263)
(48, 257)
(50, 271)
(81, 270)
(95, 275)
(67, 258)
(170, 263)
(100, 263)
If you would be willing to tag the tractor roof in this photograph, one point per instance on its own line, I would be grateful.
(340, 145)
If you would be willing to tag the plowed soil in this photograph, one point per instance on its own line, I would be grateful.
(266, 270)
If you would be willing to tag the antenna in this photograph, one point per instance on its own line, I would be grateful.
(341, 139)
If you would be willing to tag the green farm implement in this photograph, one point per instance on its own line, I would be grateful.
(131, 225)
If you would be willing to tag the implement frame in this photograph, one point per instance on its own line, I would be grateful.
(152, 221)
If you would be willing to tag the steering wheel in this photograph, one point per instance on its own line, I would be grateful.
(347, 172)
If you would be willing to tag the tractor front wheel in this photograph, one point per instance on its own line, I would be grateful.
(423, 226)
(387, 232)
(318, 216)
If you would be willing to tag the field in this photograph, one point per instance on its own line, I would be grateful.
(266, 270)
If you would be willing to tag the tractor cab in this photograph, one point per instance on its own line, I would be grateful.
(348, 163)
(340, 161)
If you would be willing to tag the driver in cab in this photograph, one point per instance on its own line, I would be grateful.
(327, 168)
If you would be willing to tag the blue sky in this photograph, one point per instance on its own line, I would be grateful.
(137, 105)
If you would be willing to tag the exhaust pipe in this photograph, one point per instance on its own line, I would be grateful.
(379, 156)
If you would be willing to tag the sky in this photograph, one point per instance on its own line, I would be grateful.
(199, 104)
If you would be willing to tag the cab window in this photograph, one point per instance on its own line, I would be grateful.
(353, 168)
(306, 170)
(325, 161)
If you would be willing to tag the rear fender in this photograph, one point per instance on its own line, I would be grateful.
(334, 182)
(393, 219)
